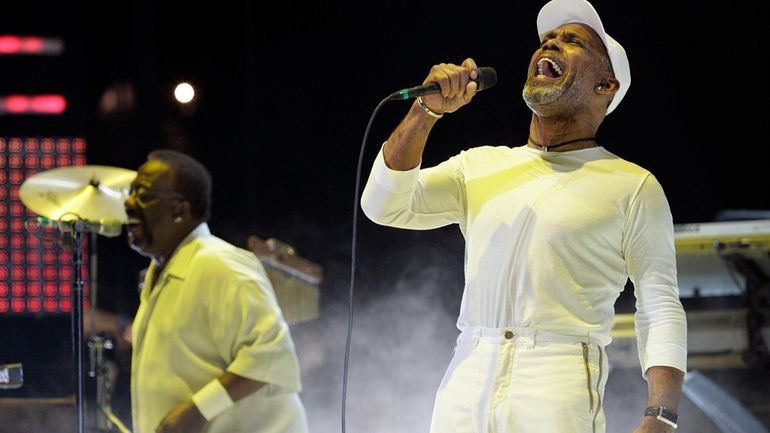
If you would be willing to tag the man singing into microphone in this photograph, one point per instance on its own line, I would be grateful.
(554, 229)
(211, 349)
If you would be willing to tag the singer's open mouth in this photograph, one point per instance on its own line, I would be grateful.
(548, 68)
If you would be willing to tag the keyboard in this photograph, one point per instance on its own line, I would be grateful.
(702, 249)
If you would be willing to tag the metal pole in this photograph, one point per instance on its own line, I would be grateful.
(77, 325)
(97, 344)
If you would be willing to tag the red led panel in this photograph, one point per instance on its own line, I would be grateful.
(30, 45)
(36, 269)
(33, 104)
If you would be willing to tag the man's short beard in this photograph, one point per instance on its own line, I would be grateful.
(538, 98)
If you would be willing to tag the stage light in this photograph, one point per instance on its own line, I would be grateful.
(184, 93)
(30, 45)
(33, 104)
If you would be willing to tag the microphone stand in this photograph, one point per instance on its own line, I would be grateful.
(77, 323)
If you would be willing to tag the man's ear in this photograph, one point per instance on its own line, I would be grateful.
(608, 84)
(182, 210)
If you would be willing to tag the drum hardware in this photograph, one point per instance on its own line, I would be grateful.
(78, 200)
(105, 372)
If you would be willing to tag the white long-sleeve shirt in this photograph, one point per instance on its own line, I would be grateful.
(551, 239)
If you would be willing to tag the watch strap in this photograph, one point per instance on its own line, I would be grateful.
(662, 414)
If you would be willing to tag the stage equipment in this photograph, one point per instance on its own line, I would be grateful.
(77, 200)
(724, 283)
(11, 376)
(295, 280)
(91, 193)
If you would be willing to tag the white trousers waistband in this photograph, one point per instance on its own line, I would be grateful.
(531, 335)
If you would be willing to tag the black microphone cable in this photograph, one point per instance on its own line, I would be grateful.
(356, 199)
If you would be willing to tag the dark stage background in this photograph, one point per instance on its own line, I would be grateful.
(285, 94)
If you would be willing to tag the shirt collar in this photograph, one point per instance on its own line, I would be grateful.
(178, 263)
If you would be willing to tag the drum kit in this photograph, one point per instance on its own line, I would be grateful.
(79, 200)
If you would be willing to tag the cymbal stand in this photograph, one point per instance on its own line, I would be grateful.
(77, 319)
(104, 379)
(98, 368)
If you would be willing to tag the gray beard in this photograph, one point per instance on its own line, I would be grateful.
(552, 100)
(538, 98)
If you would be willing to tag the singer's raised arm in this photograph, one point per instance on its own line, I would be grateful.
(403, 149)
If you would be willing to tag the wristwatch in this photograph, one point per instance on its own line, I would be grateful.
(662, 414)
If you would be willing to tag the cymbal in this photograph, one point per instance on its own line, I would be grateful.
(81, 192)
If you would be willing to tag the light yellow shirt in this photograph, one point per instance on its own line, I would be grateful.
(212, 310)
(551, 240)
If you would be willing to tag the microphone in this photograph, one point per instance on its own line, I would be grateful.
(103, 226)
(486, 78)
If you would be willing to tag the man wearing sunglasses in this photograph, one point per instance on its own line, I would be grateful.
(211, 349)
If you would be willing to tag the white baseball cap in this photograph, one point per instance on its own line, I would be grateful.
(558, 12)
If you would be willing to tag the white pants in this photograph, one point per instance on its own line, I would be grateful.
(519, 380)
